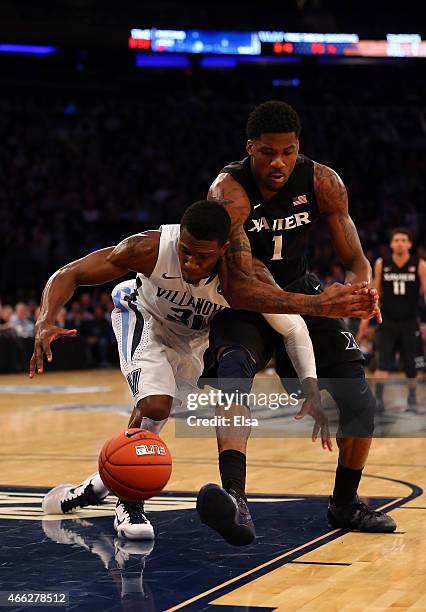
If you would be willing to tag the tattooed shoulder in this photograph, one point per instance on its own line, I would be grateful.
(330, 190)
(232, 195)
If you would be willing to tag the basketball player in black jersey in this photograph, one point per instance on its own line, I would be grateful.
(274, 196)
(398, 280)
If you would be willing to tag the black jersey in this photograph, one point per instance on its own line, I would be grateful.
(400, 289)
(278, 229)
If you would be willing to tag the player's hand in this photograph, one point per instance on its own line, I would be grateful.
(356, 300)
(374, 295)
(312, 406)
(45, 335)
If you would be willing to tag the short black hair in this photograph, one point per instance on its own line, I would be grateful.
(402, 230)
(272, 117)
(207, 220)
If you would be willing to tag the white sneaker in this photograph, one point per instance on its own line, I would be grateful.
(131, 522)
(68, 497)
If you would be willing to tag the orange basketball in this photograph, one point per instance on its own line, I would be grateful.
(135, 465)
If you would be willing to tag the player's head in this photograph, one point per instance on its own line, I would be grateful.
(401, 241)
(273, 130)
(204, 233)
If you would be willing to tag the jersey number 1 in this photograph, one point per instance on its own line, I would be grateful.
(278, 247)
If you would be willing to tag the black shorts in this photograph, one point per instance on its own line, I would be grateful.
(402, 335)
(338, 359)
(332, 341)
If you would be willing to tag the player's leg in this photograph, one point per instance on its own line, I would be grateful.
(386, 338)
(142, 357)
(409, 343)
(340, 370)
(356, 405)
(239, 343)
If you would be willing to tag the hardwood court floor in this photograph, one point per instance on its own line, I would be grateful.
(54, 435)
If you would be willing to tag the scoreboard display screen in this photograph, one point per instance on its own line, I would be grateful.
(267, 43)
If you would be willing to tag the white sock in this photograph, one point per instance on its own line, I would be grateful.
(152, 426)
(98, 487)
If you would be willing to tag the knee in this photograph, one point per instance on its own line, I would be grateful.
(236, 368)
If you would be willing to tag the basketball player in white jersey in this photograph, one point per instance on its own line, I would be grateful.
(161, 321)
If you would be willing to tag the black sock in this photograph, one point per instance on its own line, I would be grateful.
(345, 485)
(379, 391)
(232, 467)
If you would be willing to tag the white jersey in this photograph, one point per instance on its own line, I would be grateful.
(185, 309)
(161, 325)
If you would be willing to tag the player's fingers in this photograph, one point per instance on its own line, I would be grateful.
(67, 332)
(357, 286)
(315, 431)
(39, 359)
(378, 315)
(32, 365)
(362, 297)
(46, 348)
(326, 438)
(361, 314)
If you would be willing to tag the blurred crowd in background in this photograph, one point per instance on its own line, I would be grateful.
(81, 168)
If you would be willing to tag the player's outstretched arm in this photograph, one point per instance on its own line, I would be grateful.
(246, 290)
(135, 253)
(332, 198)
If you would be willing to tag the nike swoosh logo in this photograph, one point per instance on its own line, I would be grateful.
(170, 277)
(257, 205)
(317, 287)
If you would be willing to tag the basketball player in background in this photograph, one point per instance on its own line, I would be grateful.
(274, 196)
(161, 321)
(398, 280)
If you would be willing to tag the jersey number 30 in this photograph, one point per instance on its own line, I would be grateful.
(183, 315)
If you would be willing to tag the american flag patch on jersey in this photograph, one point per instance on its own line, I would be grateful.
(302, 199)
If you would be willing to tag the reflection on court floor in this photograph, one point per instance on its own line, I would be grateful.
(187, 567)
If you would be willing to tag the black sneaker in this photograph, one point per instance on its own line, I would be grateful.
(227, 513)
(357, 516)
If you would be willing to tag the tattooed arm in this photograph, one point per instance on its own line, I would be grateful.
(255, 289)
(333, 204)
(137, 253)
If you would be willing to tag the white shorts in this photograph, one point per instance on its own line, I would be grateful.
(154, 359)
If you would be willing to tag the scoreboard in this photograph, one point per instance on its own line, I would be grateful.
(275, 43)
